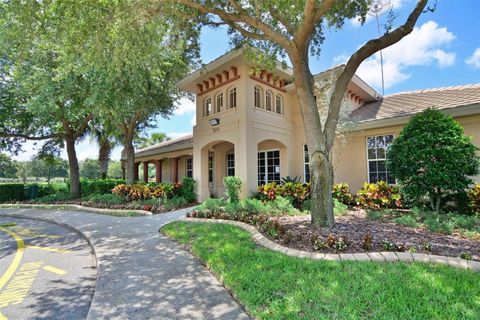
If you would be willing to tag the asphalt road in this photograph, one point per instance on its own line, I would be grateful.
(46, 271)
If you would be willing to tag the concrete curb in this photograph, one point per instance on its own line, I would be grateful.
(72, 207)
(69, 227)
(368, 256)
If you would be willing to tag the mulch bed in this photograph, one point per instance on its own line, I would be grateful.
(354, 226)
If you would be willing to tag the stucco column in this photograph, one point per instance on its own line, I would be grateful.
(145, 171)
(200, 172)
(135, 171)
(158, 171)
(174, 169)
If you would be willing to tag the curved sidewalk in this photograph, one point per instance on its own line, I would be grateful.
(388, 256)
(141, 273)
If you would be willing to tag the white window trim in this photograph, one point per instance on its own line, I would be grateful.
(260, 99)
(266, 171)
(186, 166)
(216, 102)
(226, 163)
(205, 107)
(281, 104)
(366, 154)
(228, 99)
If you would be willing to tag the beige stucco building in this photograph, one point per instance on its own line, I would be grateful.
(249, 125)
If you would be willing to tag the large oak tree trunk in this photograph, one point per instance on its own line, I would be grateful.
(74, 169)
(321, 168)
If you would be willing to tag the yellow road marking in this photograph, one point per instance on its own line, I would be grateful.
(26, 232)
(47, 249)
(55, 270)
(17, 289)
(2, 317)
(16, 260)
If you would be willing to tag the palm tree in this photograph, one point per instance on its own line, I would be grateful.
(155, 137)
(107, 138)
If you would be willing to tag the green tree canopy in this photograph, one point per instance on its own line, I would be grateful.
(433, 157)
(89, 169)
(7, 166)
(154, 138)
(297, 29)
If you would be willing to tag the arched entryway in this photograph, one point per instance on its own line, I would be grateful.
(217, 161)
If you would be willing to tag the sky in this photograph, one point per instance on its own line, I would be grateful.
(443, 50)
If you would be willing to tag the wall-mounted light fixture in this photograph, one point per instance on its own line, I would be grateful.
(214, 122)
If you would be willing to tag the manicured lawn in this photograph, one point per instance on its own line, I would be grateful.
(274, 286)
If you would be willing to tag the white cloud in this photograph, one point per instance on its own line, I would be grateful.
(474, 59)
(175, 135)
(420, 48)
(184, 106)
(193, 121)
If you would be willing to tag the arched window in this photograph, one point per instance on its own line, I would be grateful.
(219, 103)
(278, 104)
(269, 100)
(258, 97)
(208, 107)
(232, 98)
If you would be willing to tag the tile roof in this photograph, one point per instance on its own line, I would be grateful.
(170, 145)
(407, 103)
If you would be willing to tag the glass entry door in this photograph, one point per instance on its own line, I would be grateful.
(268, 163)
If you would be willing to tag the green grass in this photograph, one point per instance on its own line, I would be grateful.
(275, 286)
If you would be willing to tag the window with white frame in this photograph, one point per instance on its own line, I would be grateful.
(232, 98)
(258, 97)
(208, 107)
(268, 100)
(306, 164)
(210, 168)
(268, 163)
(189, 168)
(377, 147)
(219, 103)
(230, 164)
(278, 104)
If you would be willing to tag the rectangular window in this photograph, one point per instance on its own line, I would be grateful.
(189, 168)
(257, 97)
(232, 99)
(377, 147)
(268, 163)
(208, 107)
(306, 164)
(210, 168)
(268, 101)
(278, 104)
(230, 164)
(219, 102)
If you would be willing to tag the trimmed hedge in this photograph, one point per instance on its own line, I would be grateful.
(90, 187)
(12, 192)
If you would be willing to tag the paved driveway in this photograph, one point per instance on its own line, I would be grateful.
(142, 274)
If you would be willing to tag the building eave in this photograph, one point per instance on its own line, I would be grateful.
(456, 111)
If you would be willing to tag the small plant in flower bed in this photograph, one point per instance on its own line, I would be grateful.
(339, 243)
(466, 256)
(297, 192)
(379, 196)
(474, 199)
(341, 192)
(367, 243)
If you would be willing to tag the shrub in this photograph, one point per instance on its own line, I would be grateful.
(12, 192)
(436, 224)
(174, 203)
(379, 196)
(374, 215)
(341, 192)
(133, 192)
(474, 198)
(432, 157)
(339, 209)
(297, 192)
(233, 186)
(56, 197)
(89, 187)
(407, 220)
(188, 189)
(106, 198)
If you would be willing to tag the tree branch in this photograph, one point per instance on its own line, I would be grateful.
(357, 58)
(27, 137)
(312, 15)
(240, 17)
